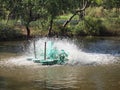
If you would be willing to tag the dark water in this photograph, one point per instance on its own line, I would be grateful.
(16, 73)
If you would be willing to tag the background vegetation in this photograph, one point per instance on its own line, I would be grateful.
(20, 18)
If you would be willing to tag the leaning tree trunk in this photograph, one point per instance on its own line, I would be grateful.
(75, 13)
(8, 17)
(50, 28)
(28, 31)
(65, 24)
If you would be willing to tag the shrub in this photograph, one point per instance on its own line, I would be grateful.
(96, 12)
(79, 29)
(9, 33)
(90, 26)
(94, 26)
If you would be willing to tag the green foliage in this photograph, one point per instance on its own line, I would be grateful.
(112, 25)
(9, 33)
(90, 26)
(97, 1)
(98, 12)
(94, 26)
(112, 4)
(38, 14)
(79, 29)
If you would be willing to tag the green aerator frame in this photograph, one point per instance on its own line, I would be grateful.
(51, 55)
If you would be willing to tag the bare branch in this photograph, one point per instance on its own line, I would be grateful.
(75, 13)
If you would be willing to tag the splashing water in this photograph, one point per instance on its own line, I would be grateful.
(17, 61)
(75, 54)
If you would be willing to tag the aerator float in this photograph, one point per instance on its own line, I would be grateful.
(51, 55)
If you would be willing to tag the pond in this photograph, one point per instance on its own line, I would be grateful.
(94, 64)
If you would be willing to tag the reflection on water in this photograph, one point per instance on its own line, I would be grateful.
(88, 69)
(12, 49)
(61, 77)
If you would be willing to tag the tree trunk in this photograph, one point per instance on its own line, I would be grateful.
(8, 17)
(83, 12)
(76, 12)
(65, 24)
(28, 31)
(50, 28)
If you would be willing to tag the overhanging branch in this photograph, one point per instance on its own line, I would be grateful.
(75, 13)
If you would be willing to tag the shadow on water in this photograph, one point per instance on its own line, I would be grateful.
(13, 46)
(3, 83)
(103, 45)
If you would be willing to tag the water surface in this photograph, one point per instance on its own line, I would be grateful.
(93, 65)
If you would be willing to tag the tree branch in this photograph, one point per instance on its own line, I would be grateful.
(75, 13)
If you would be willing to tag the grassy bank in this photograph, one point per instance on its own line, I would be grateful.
(97, 22)
(9, 32)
